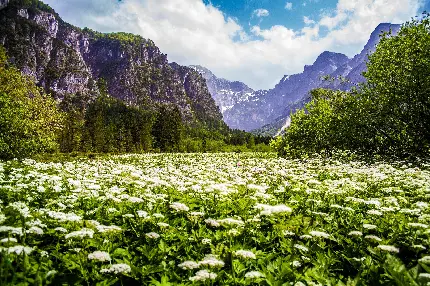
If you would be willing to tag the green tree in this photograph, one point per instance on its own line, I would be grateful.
(389, 114)
(167, 130)
(29, 119)
(397, 93)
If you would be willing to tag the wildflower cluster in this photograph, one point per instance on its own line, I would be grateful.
(199, 218)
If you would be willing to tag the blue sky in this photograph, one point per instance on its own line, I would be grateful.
(243, 11)
(253, 41)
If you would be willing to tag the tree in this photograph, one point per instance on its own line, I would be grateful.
(167, 130)
(398, 88)
(389, 114)
(29, 119)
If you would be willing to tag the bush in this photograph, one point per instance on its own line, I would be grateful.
(29, 119)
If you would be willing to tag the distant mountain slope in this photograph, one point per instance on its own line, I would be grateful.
(268, 111)
(225, 93)
(64, 59)
(266, 106)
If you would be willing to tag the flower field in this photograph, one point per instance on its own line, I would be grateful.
(213, 219)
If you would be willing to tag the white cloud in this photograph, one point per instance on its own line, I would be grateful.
(332, 22)
(308, 21)
(261, 13)
(191, 32)
(289, 6)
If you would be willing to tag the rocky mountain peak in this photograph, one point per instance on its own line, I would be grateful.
(64, 59)
(274, 106)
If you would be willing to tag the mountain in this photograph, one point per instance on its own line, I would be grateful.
(64, 59)
(225, 93)
(268, 111)
(265, 106)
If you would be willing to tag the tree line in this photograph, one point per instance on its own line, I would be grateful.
(32, 122)
(387, 115)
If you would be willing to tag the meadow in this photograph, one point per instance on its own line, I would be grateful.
(213, 219)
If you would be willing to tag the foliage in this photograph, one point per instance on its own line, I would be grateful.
(112, 126)
(167, 129)
(29, 119)
(388, 115)
(265, 221)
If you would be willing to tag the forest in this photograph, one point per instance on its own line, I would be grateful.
(32, 122)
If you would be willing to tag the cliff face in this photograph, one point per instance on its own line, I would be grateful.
(65, 59)
(225, 93)
(265, 106)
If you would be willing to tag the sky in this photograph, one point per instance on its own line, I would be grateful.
(253, 41)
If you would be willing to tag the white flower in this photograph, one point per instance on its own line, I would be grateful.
(128, 215)
(388, 248)
(288, 233)
(271, 210)
(152, 235)
(108, 228)
(141, 213)
(163, 224)
(424, 276)
(179, 207)
(63, 217)
(44, 253)
(203, 275)
(233, 232)
(196, 214)
(60, 229)
(36, 222)
(374, 212)
(253, 275)
(230, 222)
(300, 284)
(422, 205)
(85, 232)
(372, 237)
(117, 269)
(418, 225)
(158, 215)
(211, 261)
(8, 239)
(305, 236)
(50, 273)
(296, 264)
(369, 226)
(355, 233)
(419, 246)
(206, 241)
(425, 260)
(93, 223)
(12, 230)
(301, 247)
(211, 222)
(359, 259)
(18, 249)
(101, 256)
(246, 254)
(135, 200)
(335, 206)
(35, 230)
(22, 208)
(320, 234)
(189, 265)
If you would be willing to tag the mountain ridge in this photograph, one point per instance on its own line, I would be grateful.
(267, 111)
(64, 59)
